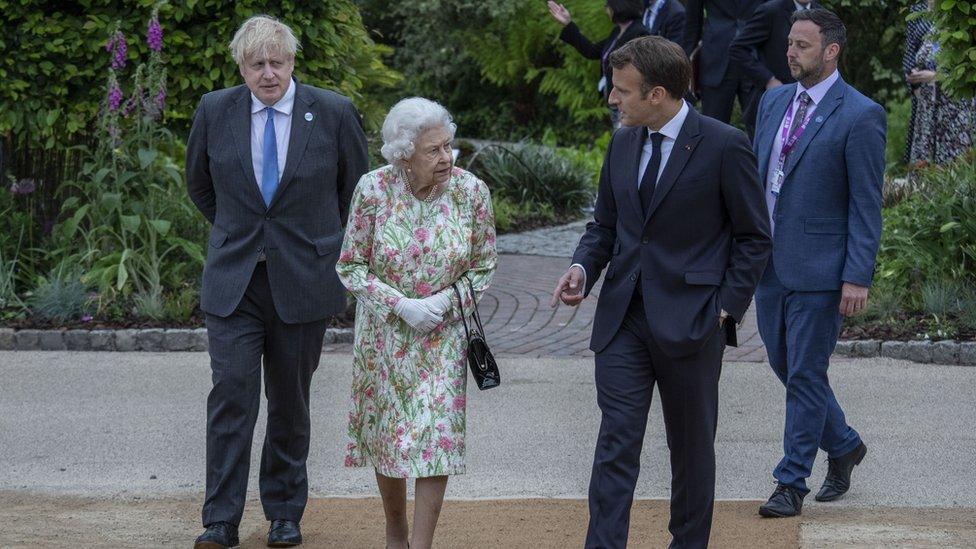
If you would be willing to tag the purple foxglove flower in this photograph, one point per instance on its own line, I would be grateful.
(114, 98)
(154, 35)
(117, 46)
(161, 98)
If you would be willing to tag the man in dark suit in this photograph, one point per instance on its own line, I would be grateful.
(665, 18)
(681, 222)
(821, 150)
(759, 49)
(721, 82)
(272, 165)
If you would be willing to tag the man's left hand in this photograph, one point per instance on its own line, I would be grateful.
(853, 299)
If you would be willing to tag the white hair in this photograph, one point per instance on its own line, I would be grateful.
(405, 122)
(263, 35)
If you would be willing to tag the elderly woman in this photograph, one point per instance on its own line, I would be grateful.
(417, 226)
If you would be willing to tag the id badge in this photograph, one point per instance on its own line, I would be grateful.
(777, 182)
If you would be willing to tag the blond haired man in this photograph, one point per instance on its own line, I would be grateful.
(271, 164)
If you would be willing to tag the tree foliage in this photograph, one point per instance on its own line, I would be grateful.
(54, 57)
(955, 21)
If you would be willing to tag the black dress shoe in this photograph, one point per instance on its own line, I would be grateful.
(284, 533)
(219, 535)
(786, 501)
(838, 479)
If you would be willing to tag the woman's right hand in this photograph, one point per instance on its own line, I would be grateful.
(559, 13)
(920, 77)
(417, 314)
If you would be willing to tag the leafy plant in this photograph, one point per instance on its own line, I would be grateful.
(954, 21)
(535, 174)
(61, 296)
(127, 219)
(942, 298)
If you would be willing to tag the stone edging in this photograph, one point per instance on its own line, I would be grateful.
(160, 340)
(151, 340)
(925, 352)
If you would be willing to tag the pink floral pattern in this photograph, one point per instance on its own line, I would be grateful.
(407, 410)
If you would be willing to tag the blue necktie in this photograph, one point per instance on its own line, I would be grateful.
(269, 171)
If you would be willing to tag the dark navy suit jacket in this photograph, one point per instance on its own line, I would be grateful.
(828, 215)
(701, 248)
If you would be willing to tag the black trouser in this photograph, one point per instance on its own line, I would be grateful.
(291, 353)
(626, 371)
(717, 101)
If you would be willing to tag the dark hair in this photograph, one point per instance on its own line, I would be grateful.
(660, 61)
(832, 29)
(625, 10)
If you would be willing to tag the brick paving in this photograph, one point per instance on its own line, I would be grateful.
(519, 321)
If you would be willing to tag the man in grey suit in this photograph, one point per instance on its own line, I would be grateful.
(821, 149)
(272, 165)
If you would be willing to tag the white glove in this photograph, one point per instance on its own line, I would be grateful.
(417, 314)
(438, 303)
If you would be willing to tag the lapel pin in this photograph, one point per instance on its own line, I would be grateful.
(687, 147)
(819, 119)
(308, 116)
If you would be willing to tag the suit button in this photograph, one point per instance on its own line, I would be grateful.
(633, 278)
(645, 240)
(269, 217)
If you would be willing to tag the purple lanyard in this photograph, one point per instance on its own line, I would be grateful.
(789, 141)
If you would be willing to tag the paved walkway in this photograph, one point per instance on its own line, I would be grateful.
(516, 311)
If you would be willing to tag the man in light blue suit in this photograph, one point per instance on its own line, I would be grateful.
(820, 146)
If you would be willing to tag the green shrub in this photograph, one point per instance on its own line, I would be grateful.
(537, 175)
(516, 216)
(943, 298)
(899, 114)
(955, 20)
(930, 235)
(60, 297)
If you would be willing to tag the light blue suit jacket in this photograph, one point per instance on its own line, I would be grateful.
(828, 215)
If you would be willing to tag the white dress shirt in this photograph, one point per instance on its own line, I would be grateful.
(670, 130)
(816, 93)
(282, 122)
(800, 6)
(651, 13)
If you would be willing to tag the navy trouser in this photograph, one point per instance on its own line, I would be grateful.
(626, 371)
(290, 354)
(800, 331)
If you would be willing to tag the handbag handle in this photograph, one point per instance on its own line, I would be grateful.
(467, 334)
(476, 316)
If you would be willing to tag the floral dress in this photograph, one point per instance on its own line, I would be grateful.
(941, 129)
(407, 411)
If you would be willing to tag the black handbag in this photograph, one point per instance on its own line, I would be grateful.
(482, 363)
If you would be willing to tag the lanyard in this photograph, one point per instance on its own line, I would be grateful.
(788, 140)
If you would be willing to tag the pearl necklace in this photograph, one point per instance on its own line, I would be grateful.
(429, 199)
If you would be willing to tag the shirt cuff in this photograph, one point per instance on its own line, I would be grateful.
(584, 273)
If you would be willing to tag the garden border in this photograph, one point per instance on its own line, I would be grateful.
(195, 340)
(155, 340)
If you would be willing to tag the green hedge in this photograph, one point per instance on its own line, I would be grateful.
(955, 21)
(55, 63)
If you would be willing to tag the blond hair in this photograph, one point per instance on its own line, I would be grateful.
(263, 35)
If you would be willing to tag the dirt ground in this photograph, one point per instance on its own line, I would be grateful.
(31, 520)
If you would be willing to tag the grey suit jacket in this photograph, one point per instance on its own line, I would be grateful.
(301, 231)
